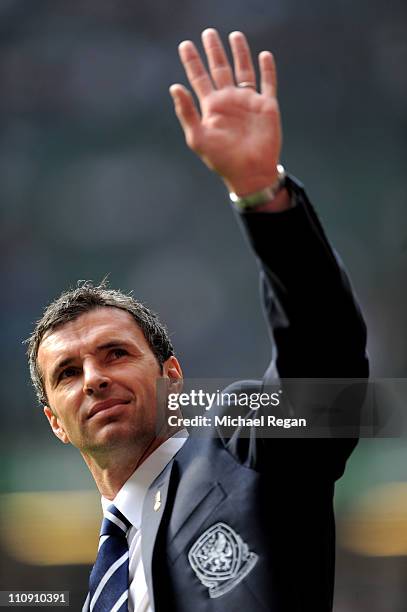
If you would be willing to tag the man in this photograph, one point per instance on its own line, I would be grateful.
(210, 523)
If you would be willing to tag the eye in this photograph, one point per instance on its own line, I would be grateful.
(68, 373)
(118, 352)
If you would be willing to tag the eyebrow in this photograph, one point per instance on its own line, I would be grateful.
(68, 360)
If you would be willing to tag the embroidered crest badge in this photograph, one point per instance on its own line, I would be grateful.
(221, 559)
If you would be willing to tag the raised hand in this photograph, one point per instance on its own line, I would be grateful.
(237, 132)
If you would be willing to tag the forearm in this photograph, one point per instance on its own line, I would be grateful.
(309, 305)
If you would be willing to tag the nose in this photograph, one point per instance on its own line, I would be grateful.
(95, 379)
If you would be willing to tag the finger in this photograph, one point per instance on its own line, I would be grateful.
(219, 66)
(186, 112)
(242, 58)
(268, 73)
(196, 72)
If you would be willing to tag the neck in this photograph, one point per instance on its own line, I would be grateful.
(112, 469)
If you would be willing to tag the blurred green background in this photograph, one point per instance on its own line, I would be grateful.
(95, 178)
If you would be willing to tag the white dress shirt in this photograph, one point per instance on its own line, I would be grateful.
(129, 501)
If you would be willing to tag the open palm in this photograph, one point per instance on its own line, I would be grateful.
(237, 132)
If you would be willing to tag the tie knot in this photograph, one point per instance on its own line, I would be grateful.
(114, 522)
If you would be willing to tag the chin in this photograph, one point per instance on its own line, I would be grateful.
(117, 435)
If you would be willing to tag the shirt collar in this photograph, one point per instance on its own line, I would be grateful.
(129, 500)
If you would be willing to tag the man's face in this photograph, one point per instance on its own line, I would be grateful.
(100, 379)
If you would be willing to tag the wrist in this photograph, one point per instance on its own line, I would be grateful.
(251, 184)
(260, 198)
(282, 201)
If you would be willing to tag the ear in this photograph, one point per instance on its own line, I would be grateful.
(56, 425)
(173, 371)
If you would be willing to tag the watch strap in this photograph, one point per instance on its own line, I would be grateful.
(251, 200)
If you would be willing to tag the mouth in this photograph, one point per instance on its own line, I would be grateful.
(106, 405)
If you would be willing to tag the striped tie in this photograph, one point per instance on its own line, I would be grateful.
(109, 579)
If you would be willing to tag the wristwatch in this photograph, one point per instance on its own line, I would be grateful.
(250, 201)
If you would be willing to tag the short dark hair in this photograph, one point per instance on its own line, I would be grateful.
(85, 297)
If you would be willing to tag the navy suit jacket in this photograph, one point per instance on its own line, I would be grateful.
(247, 524)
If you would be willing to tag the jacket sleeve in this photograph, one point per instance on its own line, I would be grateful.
(314, 321)
(310, 308)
